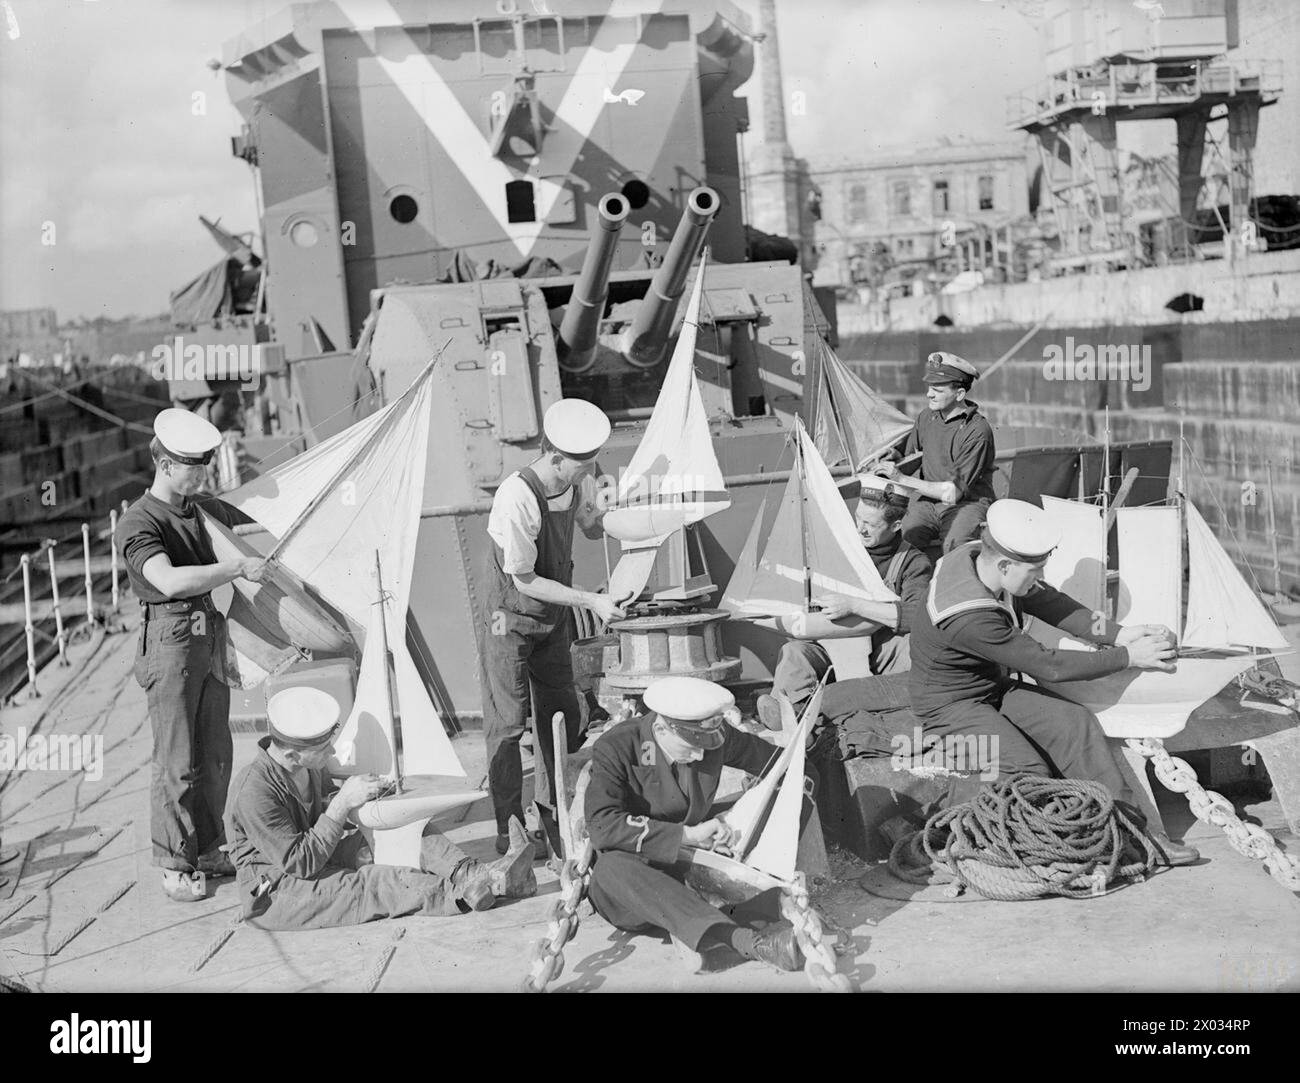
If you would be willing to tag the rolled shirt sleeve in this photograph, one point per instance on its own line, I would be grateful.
(514, 524)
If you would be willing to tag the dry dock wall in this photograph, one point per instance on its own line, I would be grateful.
(1235, 389)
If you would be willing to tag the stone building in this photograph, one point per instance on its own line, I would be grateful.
(924, 214)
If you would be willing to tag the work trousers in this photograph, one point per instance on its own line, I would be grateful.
(803, 663)
(636, 896)
(929, 523)
(189, 713)
(1038, 733)
(348, 892)
(520, 655)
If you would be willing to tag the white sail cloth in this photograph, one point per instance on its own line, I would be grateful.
(853, 422)
(332, 509)
(813, 523)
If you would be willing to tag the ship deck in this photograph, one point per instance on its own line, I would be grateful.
(1222, 925)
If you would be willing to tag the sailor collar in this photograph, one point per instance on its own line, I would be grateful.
(956, 588)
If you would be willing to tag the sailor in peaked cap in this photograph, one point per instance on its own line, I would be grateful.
(524, 615)
(649, 806)
(300, 864)
(954, 486)
(968, 643)
(185, 437)
(172, 568)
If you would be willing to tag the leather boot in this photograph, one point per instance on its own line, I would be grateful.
(1174, 853)
(776, 945)
(512, 877)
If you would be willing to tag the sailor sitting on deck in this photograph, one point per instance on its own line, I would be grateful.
(906, 572)
(954, 487)
(967, 642)
(653, 780)
(300, 864)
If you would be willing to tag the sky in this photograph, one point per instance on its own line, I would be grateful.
(115, 135)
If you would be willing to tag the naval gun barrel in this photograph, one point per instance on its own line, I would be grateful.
(644, 342)
(576, 348)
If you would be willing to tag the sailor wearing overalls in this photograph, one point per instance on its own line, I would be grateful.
(969, 654)
(172, 568)
(954, 487)
(904, 569)
(525, 625)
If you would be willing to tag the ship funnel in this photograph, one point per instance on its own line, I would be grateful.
(576, 348)
(645, 341)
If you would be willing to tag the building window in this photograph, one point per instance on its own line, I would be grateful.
(903, 246)
(941, 197)
(900, 198)
(857, 204)
(986, 193)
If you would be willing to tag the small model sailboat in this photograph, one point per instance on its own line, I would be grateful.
(811, 550)
(766, 818)
(344, 507)
(1224, 626)
(853, 425)
(673, 479)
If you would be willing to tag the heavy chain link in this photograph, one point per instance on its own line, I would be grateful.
(819, 960)
(548, 953)
(1209, 807)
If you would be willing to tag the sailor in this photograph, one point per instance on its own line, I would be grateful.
(525, 625)
(967, 643)
(904, 569)
(172, 569)
(954, 487)
(302, 865)
(653, 780)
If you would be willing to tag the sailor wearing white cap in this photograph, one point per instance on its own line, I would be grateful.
(171, 567)
(967, 644)
(653, 782)
(954, 485)
(301, 865)
(525, 622)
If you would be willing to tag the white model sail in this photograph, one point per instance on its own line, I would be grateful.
(1222, 612)
(1150, 566)
(813, 537)
(673, 478)
(330, 510)
(766, 816)
(853, 422)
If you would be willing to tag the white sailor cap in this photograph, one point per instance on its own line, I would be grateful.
(942, 367)
(692, 708)
(576, 428)
(1021, 531)
(882, 492)
(186, 437)
(302, 716)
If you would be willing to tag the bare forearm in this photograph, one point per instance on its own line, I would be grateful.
(548, 590)
(943, 491)
(188, 582)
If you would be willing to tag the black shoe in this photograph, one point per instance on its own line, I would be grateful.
(776, 945)
(1174, 853)
(503, 843)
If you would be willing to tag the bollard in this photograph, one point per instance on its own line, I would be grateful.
(32, 691)
(90, 588)
(112, 560)
(58, 616)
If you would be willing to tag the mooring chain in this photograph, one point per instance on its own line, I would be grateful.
(819, 965)
(548, 954)
(1250, 840)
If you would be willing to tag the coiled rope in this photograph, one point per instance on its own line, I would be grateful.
(1025, 837)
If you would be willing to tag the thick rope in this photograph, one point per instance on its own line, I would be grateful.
(1025, 837)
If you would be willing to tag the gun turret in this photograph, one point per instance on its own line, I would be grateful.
(644, 342)
(576, 348)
